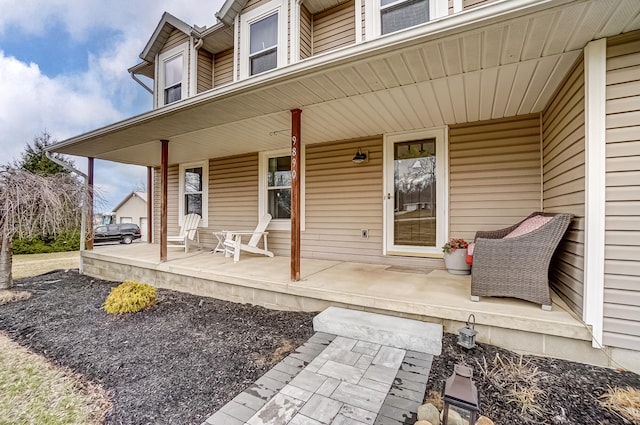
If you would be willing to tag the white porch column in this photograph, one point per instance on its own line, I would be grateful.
(595, 73)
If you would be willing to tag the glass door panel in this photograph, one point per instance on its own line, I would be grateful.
(414, 211)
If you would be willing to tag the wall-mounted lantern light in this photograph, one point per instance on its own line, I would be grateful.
(359, 157)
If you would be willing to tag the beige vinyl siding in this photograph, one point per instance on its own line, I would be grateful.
(205, 70)
(564, 182)
(253, 4)
(305, 32)
(173, 227)
(622, 225)
(334, 28)
(494, 174)
(175, 39)
(223, 68)
(233, 195)
(341, 199)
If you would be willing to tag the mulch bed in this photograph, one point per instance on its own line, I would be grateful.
(569, 390)
(175, 363)
(182, 359)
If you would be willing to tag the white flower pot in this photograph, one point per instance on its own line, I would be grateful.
(456, 261)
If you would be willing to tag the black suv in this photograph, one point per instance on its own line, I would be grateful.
(123, 233)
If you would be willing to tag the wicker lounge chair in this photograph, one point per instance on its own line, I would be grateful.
(518, 266)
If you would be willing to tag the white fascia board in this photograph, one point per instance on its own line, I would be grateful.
(595, 74)
(230, 10)
(167, 19)
(453, 24)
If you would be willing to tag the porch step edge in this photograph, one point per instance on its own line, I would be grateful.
(397, 332)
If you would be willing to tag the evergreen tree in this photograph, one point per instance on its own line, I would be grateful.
(34, 160)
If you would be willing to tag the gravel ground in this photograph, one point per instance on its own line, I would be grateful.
(182, 359)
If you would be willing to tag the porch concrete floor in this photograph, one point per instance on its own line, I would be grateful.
(435, 296)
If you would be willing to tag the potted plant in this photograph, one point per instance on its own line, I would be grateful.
(455, 256)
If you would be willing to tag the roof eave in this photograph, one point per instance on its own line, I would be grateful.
(148, 54)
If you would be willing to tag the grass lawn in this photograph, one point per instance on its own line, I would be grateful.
(35, 264)
(33, 391)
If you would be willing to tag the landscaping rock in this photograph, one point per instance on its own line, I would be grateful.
(423, 423)
(429, 412)
(483, 420)
(454, 418)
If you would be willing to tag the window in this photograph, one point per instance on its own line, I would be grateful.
(279, 187)
(194, 190)
(388, 16)
(263, 35)
(173, 79)
(263, 49)
(172, 83)
(396, 15)
(275, 188)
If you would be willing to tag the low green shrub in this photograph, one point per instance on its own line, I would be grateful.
(68, 241)
(129, 297)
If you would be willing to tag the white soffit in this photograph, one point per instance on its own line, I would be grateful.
(508, 68)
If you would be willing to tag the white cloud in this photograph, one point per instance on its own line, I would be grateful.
(78, 17)
(81, 100)
(32, 102)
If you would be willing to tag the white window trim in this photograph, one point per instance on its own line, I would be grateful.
(373, 26)
(281, 224)
(160, 61)
(442, 190)
(275, 6)
(295, 31)
(205, 191)
(595, 74)
(193, 68)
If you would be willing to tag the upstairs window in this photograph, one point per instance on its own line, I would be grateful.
(173, 79)
(389, 16)
(263, 39)
(396, 15)
(172, 76)
(263, 50)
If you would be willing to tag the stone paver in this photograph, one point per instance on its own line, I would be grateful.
(336, 380)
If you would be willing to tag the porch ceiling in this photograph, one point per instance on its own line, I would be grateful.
(489, 62)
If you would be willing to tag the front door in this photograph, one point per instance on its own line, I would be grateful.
(414, 198)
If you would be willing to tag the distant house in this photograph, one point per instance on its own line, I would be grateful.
(133, 209)
(373, 131)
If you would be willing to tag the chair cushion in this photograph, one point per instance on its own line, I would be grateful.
(529, 225)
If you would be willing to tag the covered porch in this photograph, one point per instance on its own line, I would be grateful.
(423, 294)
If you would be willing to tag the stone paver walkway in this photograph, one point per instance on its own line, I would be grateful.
(335, 380)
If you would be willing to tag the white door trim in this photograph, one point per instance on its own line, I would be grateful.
(442, 190)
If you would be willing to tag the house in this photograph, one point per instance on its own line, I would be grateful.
(133, 209)
(373, 131)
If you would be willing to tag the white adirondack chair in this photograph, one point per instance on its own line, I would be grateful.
(188, 232)
(233, 240)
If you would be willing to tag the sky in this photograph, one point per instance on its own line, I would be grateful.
(63, 70)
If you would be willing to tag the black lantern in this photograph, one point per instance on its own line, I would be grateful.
(467, 335)
(359, 157)
(461, 395)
